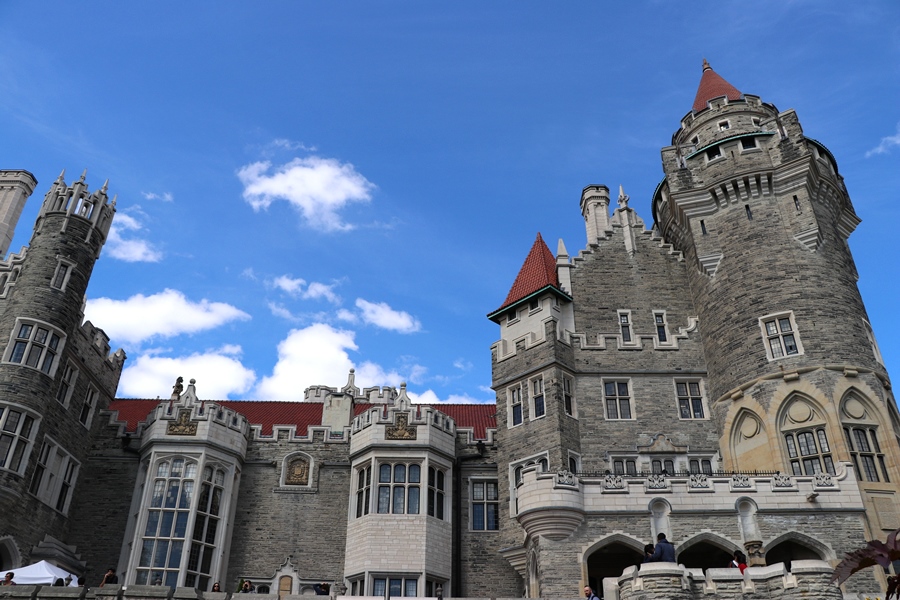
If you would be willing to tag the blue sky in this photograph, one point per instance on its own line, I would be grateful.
(308, 187)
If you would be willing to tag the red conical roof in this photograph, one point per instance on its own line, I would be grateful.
(538, 272)
(713, 86)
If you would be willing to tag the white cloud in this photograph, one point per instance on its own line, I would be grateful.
(129, 250)
(886, 144)
(248, 273)
(282, 313)
(382, 315)
(219, 375)
(165, 196)
(462, 364)
(313, 291)
(165, 314)
(315, 355)
(430, 397)
(345, 315)
(317, 187)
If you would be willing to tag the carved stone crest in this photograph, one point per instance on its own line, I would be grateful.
(699, 481)
(297, 472)
(740, 480)
(824, 480)
(656, 481)
(565, 477)
(614, 482)
(402, 430)
(182, 425)
(781, 480)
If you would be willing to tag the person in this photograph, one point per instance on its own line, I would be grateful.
(665, 550)
(247, 587)
(82, 581)
(739, 561)
(59, 582)
(216, 587)
(8, 579)
(322, 589)
(110, 577)
(648, 552)
(589, 593)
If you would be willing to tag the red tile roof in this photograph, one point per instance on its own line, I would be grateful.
(479, 417)
(713, 86)
(538, 271)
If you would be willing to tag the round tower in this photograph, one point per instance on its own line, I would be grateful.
(762, 213)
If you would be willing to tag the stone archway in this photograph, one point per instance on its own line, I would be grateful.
(609, 560)
(9, 554)
(790, 550)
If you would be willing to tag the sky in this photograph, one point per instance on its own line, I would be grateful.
(309, 187)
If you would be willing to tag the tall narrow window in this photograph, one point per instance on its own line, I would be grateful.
(797, 204)
(398, 488)
(618, 400)
(16, 435)
(485, 506)
(164, 534)
(690, 401)
(67, 385)
(662, 329)
(54, 476)
(749, 212)
(435, 493)
(87, 409)
(625, 327)
(61, 276)
(363, 491)
(515, 404)
(568, 397)
(537, 397)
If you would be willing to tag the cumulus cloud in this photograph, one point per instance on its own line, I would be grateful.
(430, 397)
(280, 311)
(346, 315)
(166, 314)
(382, 315)
(219, 374)
(886, 144)
(310, 356)
(164, 197)
(317, 187)
(130, 248)
(314, 291)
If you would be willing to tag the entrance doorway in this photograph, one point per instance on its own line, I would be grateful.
(610, 561)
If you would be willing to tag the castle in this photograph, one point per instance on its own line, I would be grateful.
(713, 377)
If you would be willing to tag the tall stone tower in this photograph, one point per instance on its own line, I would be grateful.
(795, 379)
(55, 372)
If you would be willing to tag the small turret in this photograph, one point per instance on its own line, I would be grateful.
(15, 188)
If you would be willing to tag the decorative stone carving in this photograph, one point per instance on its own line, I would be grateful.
(178, 388)
(755, 556)
(782, 480)
(297, 472)
(698, 481)
(739, 480)
(183, 425)
(564, 477)
(656, 481)
(614, 482)
(402, 430)
(824, 480)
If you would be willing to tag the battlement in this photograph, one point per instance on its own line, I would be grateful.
(76, 201)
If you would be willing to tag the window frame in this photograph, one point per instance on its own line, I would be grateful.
(691, 399)
(407, 489)
(870, 462)
(618, 399)
(486, 503)
(779, 334)
(661, 326)
(62, 274)
(798, 461)
(363, 490)
(55, 475)
(10, 450)
(537, 399)
(69, 379)
(568, 391)
(514, 402)
(89, 407)
(29, 342)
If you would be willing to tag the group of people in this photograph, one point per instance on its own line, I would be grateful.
(664, 551)
(109, 577)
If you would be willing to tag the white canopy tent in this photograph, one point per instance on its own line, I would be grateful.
(42, 573)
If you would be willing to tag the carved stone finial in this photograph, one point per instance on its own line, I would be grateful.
(178, 388)
(706, 65)
(623, 198)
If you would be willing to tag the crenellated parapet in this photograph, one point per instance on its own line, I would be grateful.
(78, 202)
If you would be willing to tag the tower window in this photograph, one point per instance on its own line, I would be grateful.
(809, 452)
(749, 212)
(538, 407)
(797, 204)
(398, 488)
(514, 394)
(724, 125)
(67, 385)
(748, 143)
(87, 409)
(617, 399)
(17, 430)
(54, 476)
(625, 327)
(755, 120)
(61, 276)
(702, 227)
(568, 395)
(713, 153)
(363, 491)
(36, 345)
(780, 333)
(866, 453)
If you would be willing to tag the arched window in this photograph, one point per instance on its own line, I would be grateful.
(861, 435)
(805, 439)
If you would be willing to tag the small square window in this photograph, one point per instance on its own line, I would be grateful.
(748, 143)
(724, 125)
(713, 153)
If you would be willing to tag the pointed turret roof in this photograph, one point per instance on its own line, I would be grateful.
(538, 272)
(713, 86)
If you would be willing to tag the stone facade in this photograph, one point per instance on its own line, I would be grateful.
(711, 376)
